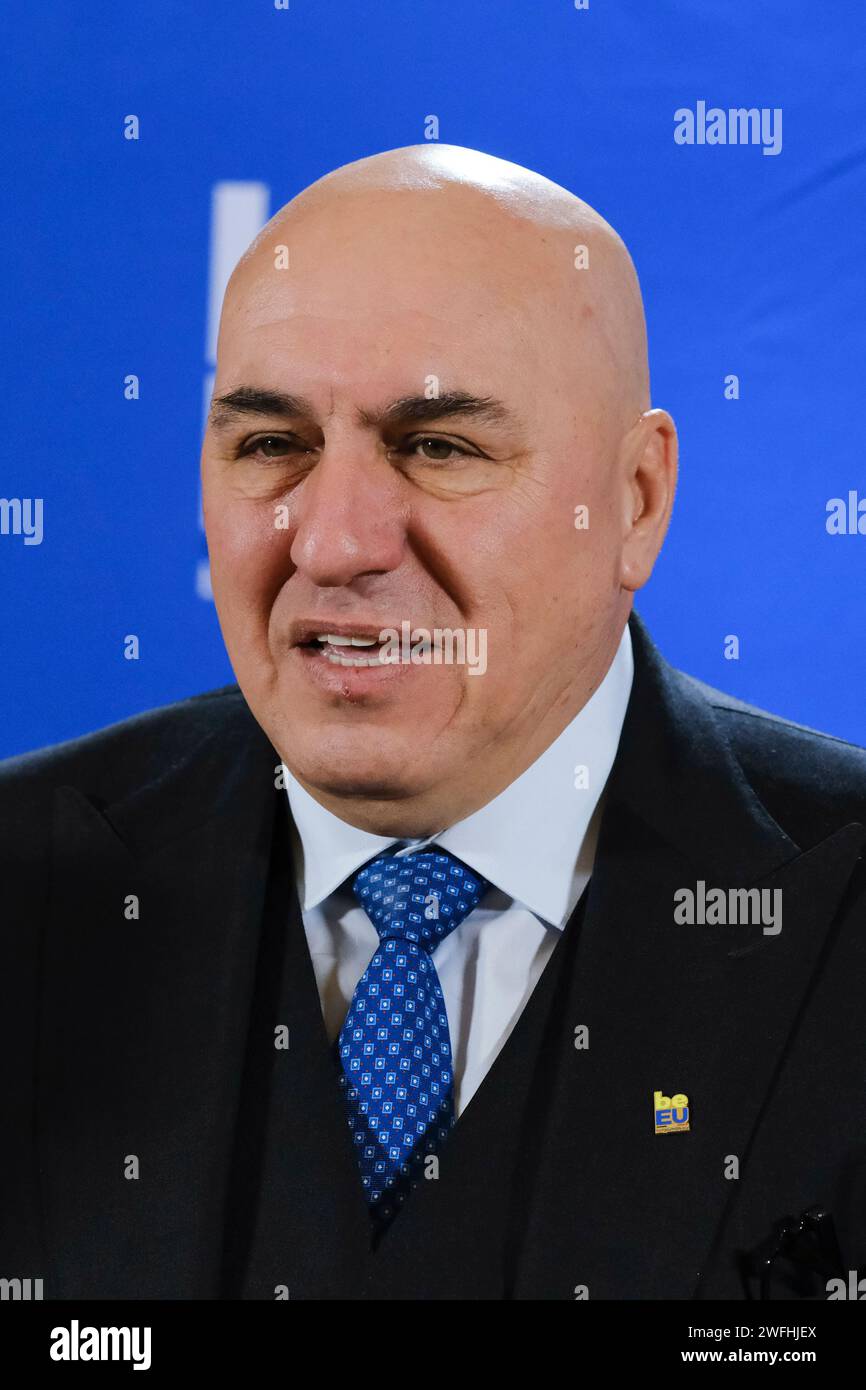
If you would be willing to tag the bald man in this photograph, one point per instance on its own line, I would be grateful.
(463, 949)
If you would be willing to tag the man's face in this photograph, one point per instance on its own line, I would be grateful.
(346, 512)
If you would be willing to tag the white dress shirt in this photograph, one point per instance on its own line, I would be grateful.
(535, 843)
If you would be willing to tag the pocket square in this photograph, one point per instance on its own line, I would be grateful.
(796, 1259)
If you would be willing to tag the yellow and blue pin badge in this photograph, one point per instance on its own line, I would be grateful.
(670, 1113)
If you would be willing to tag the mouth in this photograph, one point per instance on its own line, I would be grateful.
(357, 645)
(364, 650)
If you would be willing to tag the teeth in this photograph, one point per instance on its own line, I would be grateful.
(333, 639)
(353, 660)
(336, 641)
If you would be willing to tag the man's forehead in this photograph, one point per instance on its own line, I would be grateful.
(412, 283)
(380, 327)
(382, 356)
(433, 283)
(418, 316)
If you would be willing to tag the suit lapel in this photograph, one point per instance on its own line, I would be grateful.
(144, 1019)
(704, 1010)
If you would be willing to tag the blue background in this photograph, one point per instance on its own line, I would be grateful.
(750, 264)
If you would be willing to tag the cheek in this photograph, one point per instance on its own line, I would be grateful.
(561, 579)
(583, 547)
(248, 559)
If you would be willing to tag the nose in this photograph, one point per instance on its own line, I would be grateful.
(351, 518)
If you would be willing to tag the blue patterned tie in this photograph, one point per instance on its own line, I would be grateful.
(394, 1046)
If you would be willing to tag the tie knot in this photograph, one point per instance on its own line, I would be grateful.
(418, 897)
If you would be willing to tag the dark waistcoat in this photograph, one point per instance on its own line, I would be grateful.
(298, 1224)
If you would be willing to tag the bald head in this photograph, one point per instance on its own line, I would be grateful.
(541, 241)
(431, 409)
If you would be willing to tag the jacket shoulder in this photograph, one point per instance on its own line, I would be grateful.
(811, 782)
(107, 763)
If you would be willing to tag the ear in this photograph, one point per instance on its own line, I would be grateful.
(648, 472)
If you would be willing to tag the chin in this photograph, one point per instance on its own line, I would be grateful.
(337, 771)
(373, 792)
(372, 786)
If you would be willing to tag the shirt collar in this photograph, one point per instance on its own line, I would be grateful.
(527, 840)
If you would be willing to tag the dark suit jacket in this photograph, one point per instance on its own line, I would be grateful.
(158, 1145)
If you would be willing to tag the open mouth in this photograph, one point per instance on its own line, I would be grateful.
(346, 651)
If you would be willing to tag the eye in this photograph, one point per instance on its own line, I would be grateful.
(270, 446)
(434, 449)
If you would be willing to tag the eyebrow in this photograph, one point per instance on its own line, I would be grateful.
(247, 401)
(420, 410)
(252, 400)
